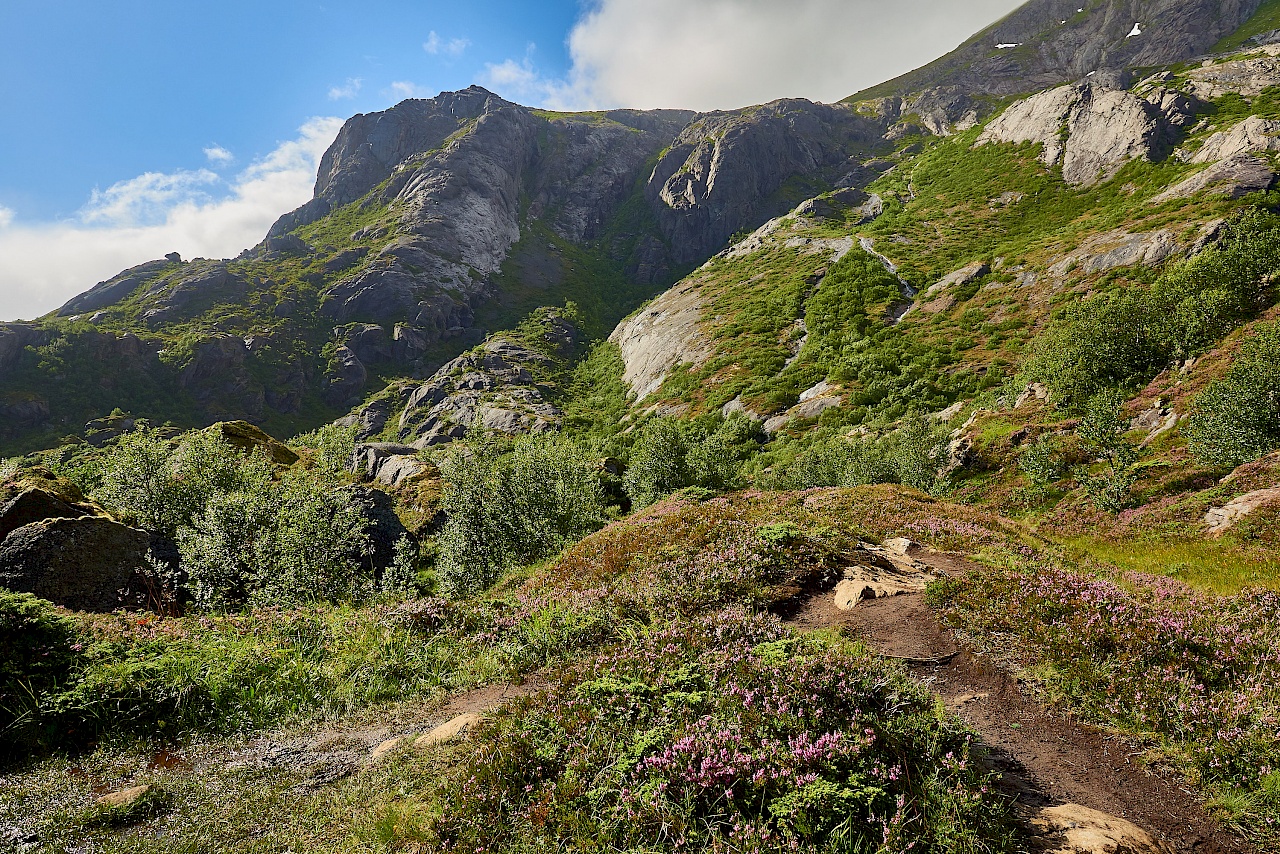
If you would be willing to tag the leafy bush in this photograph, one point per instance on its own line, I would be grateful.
(332, 449)
(245, 534)
(721, 733)
(670, 455)
(1102, 430)
(161, 485)
(1115, 339)
(914, 455)
(401, 578)
(1043, 461)
(1237, 419)
(39, 652)
(276, 543)
(506, 508)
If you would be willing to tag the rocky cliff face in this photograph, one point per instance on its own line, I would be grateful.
(1047, 42)
(1092, 130)
(410, 238)
(439, 222)
(724, 172)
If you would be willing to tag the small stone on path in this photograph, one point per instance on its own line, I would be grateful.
(124, 798)
(1073, 829)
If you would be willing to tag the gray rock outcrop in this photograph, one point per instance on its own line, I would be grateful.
(719, 175)
(384, 527)
(35, 505)
(1234, 177)
(15, 338)
(1091, 130)
(1248, 76)
(218, 378)
(200, 287)
(1251, 136)
(117, 288)
(1118, 248)
(966, 275)
(86, 564)
(1049, 42)
(663, 334)
(388, 463)
(501, 386)
(1219, 520)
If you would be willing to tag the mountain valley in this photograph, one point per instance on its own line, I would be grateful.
(895, 474)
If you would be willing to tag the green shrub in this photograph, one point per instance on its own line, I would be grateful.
(332, 447)
(39, 652)
(1043, 462)
(1237, 419)
(1103, 431)
(1127, 336)
(509, 507)
(915, 455)
(659, 462)
(670, 455)
(274, 543)
(161, 485)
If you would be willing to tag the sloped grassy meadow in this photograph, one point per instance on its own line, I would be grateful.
(680, 712)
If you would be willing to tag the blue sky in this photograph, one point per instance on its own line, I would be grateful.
(98, 92)
(133, 128)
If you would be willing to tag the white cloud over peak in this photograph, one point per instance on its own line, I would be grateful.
(218, 155)
(195, 213)
(401, 89)
(6, 217)
(347, 90)
(722, 54)
(437, 46)
(520, 81)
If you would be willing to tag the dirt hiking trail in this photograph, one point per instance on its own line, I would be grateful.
(1046, 759)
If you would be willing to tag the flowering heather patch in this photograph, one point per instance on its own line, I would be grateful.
(1198, 673)
(721, 733)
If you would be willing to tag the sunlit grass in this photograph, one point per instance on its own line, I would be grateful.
(1220, 566)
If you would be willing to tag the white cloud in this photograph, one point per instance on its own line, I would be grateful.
(722, 54)
(437, 46)
(347, 90)
(218, 155)
(194, 213)
(147, 199)
(520, 81)
(6, 217)
(401, 89)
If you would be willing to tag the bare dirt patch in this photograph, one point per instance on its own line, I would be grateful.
(1046, 758)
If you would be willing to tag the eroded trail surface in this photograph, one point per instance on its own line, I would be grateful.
(1046, 759)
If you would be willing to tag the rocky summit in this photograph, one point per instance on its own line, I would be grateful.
(901, 474)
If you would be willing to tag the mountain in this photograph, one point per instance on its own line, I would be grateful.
(438, 224)
(432, 223)
(1047, 42)
(832, 473)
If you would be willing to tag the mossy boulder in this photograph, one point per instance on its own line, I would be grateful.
(90, 563)
(247, 437)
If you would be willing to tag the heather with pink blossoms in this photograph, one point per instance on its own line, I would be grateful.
(1193, 673)
(724, 733)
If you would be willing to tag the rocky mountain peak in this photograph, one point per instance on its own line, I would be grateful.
(1047, 42)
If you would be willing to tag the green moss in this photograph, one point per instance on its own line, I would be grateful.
(1266, 19)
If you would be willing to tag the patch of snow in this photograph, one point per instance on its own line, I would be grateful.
(1007, 46)
(1136, 31)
